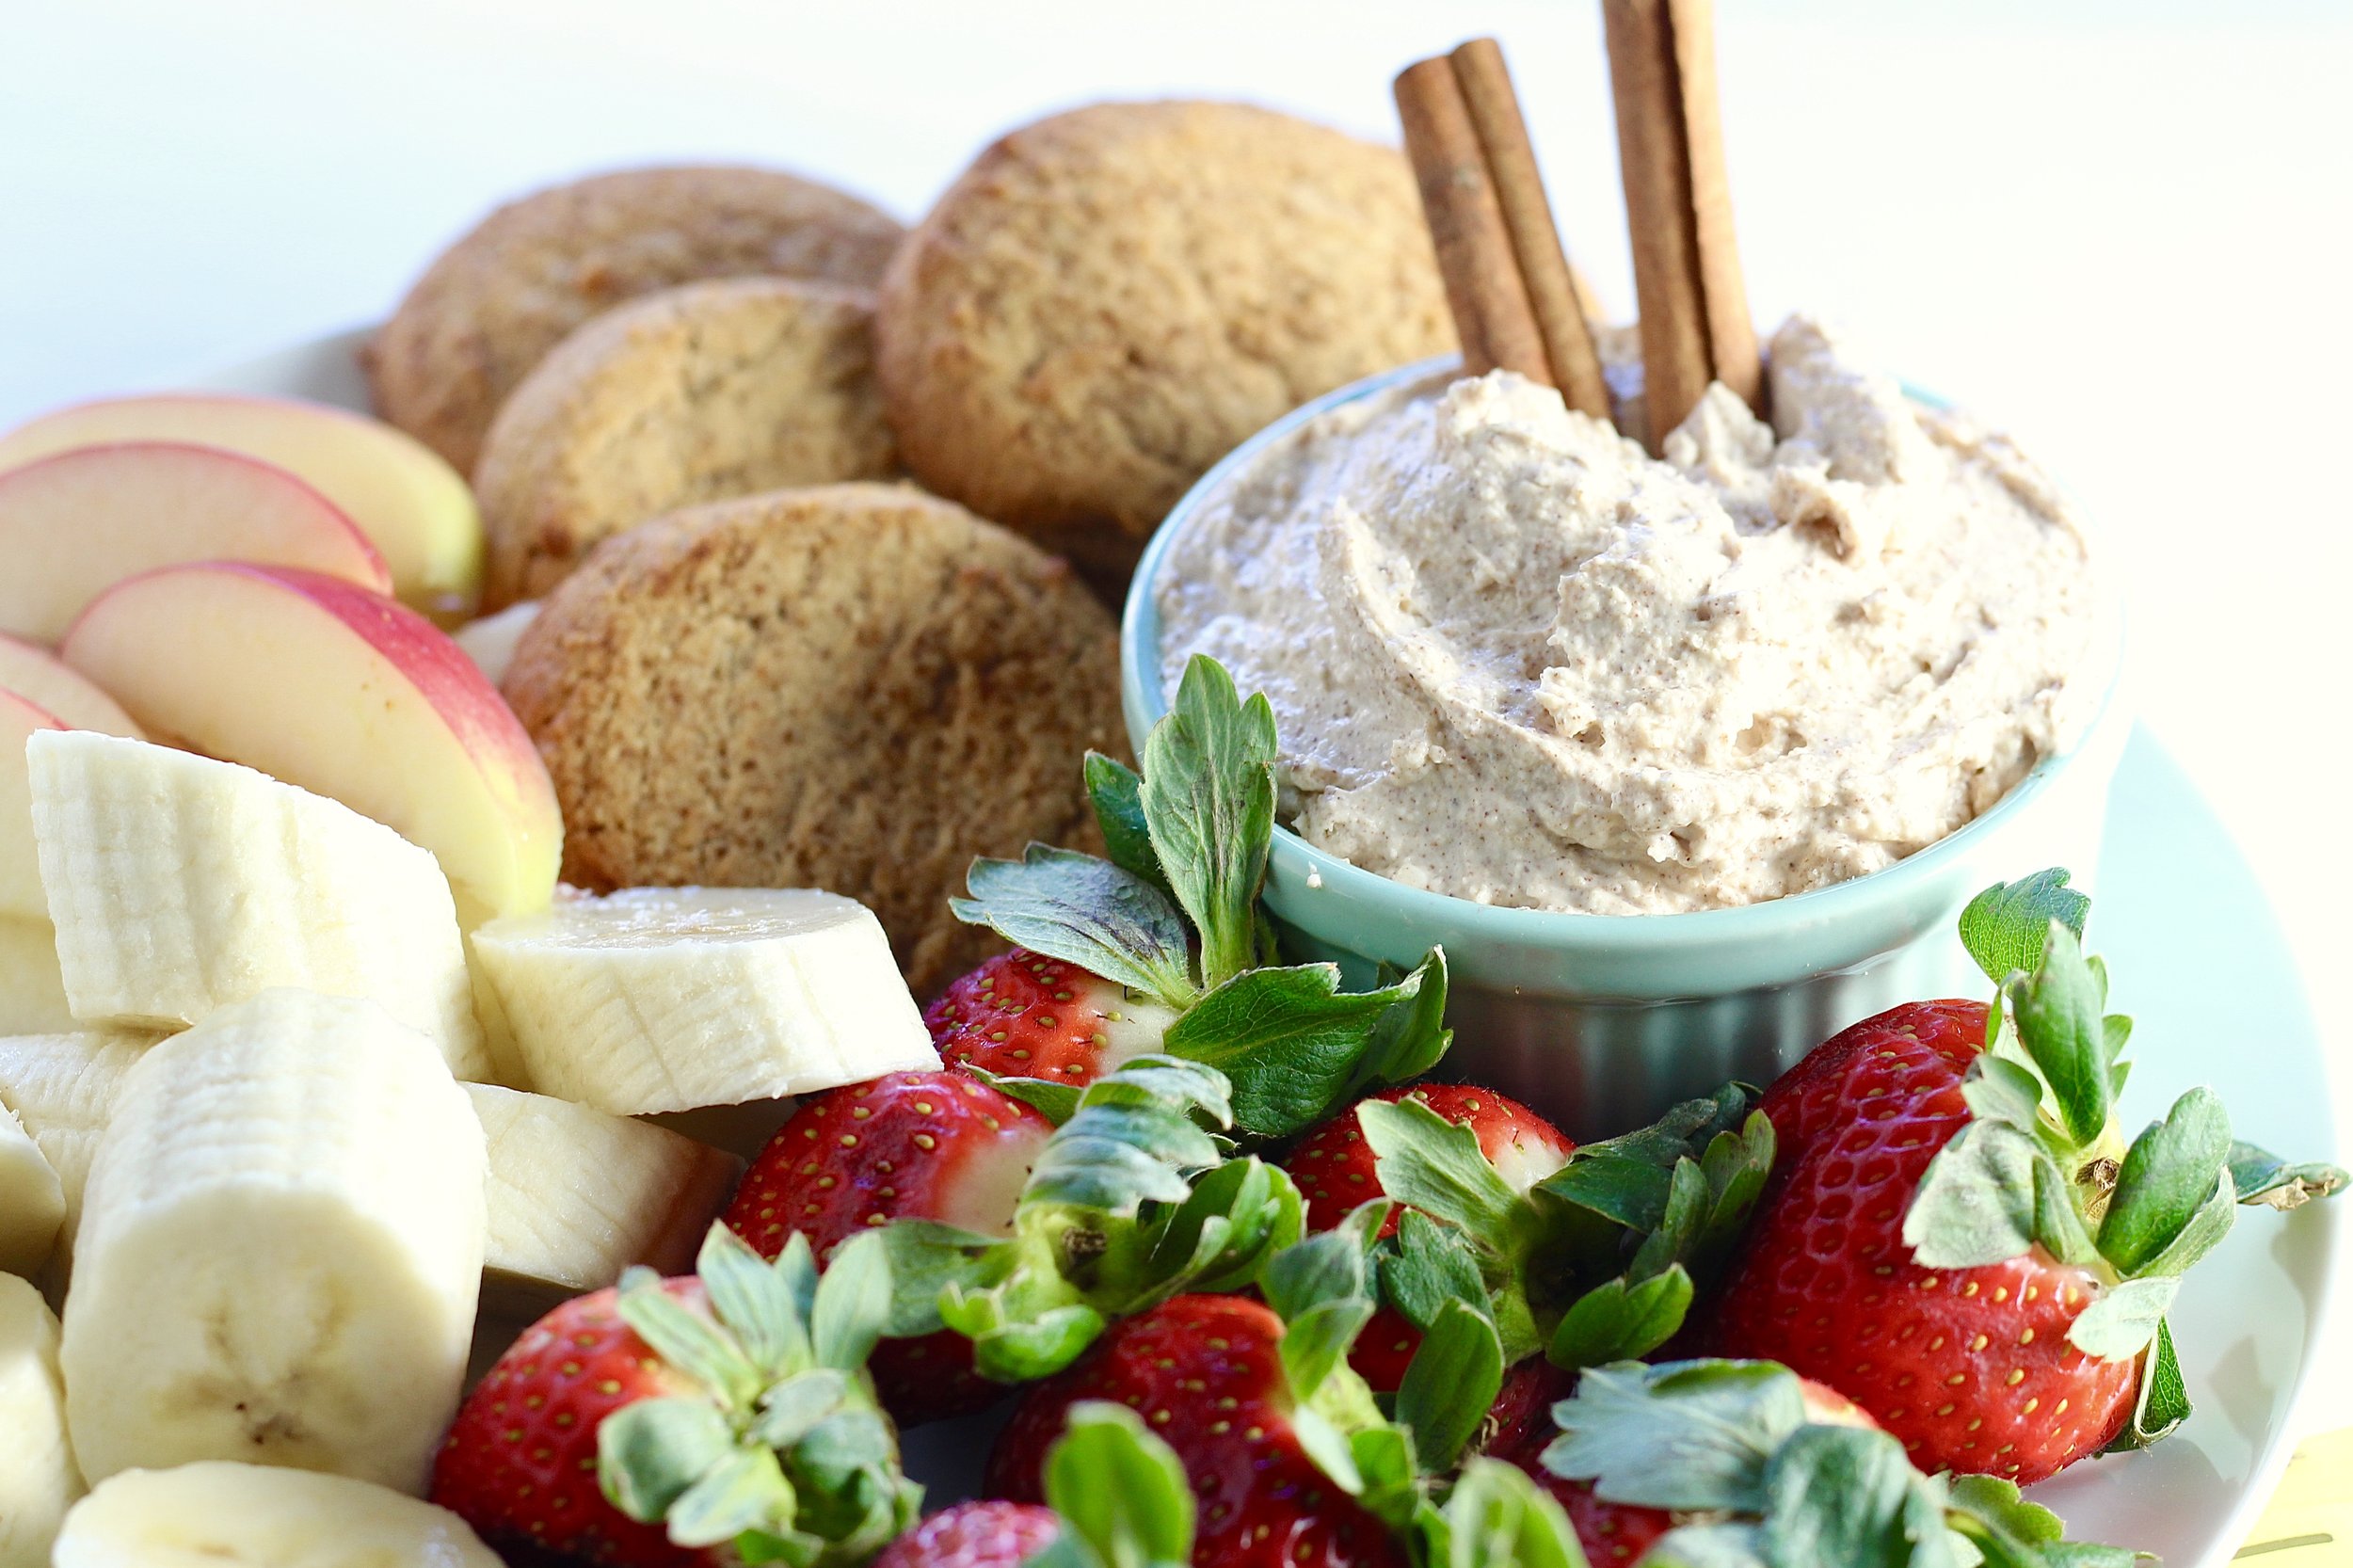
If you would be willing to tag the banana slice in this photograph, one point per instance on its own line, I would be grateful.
(741, 1130)
(32, 992)
(32, 1201)
(280, 1250)
(668, 999)
(37, 1480)
(179, 884)
(577, 1195)
(62, 1088)
(227, 1515)
(490, 641)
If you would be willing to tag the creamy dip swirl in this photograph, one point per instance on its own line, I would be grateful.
(1516, 660)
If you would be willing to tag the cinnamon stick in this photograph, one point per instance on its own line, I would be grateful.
(1695, 324)
(1561, 318)
(1493, 314)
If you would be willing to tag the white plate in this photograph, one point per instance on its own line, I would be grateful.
(2201, 963)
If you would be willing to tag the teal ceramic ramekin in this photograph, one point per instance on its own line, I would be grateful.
(1601, 1022)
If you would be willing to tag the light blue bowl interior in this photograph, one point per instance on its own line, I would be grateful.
(1336, 909)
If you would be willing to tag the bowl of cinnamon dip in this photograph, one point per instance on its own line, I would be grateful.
(1687, 760)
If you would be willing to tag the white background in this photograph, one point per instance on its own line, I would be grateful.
(2123, 230)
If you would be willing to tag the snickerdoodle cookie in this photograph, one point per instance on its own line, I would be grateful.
(856, 687)
(695, 394)
(1110, 299)
(498, 299)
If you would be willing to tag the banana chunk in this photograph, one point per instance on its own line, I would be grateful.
(178, 885)
(32, 991)
(221, 1514)
(577, 1195)
(62, 1088)
(32, 1201)
(669, 999)
(37, 1480)
(280, 1250)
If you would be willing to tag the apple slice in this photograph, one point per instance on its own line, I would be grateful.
(490, 641)
(323, 684)
(45, 680)
(412, 505)
(20, 867)
(76, 521)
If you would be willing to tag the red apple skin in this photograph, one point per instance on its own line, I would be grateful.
(20, 869)
(404, 496)
(36, 674)
(75, 522)
(138, 638)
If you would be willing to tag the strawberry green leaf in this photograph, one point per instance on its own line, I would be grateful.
(1998, 1504)
(1450, 1383)
(792, 1410)
(1626, 1179)
(1975, 1203)
(1120, 1489)
(744, 1491)
(853, 1306)
(1427, 1162)
(2266, 1178)
(2000, 1090)
(1389, 1474)
(1209, 805)
(2167, 1177)
(1428, 1265)
(1007, 1348)
(2124, 1320)
(753, 1300)
(1134, 1137)
(1846, 1497)
(650, 1451)
(1321, 1288)
(1289, 1039)
(1087, 912)
(1724, 1544)
(2163, 1403)
(1410, 1037)
(1687, 1435)
(689, 1340)
(2205, 1232)
(1055, 1101)
(925, 1258)
(2057, 1013)
(2004, 927)
(1117, 796)
(1617, 1321)
(1498, 1515)
(1238, 1215)
(796, 1266)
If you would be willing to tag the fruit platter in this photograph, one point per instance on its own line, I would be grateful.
(1176, 869)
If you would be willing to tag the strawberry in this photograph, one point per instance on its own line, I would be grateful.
(1336, 1170)
(1116, 1493)
(1972, 1368)
(1746, 1463)
(1162, 946)
(1015, 1238)
(708, 1419)
(1024, 1014)
(1207, 1374)
(519, 1462)
(1955, 1235)
(985, 1534)
(926, 1145)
